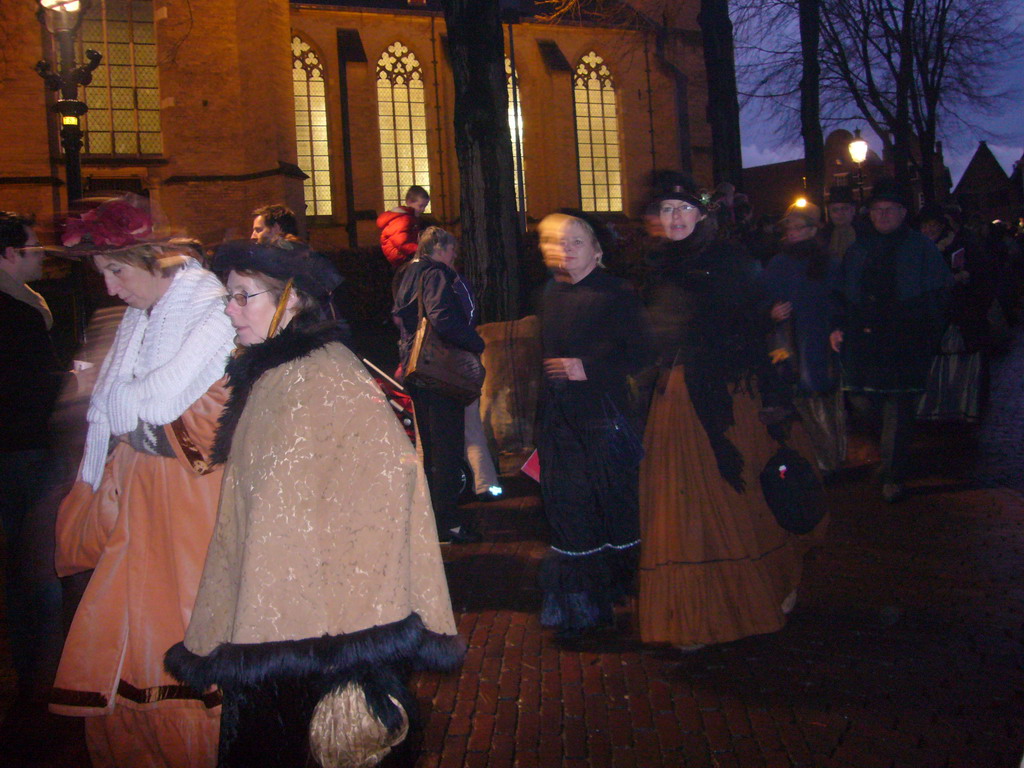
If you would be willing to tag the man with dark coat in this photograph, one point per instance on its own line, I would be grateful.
(891, 288)
(30, 379)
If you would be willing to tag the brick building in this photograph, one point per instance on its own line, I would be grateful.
(212, 107)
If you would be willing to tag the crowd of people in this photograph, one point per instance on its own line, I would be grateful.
(263, 538)
(725, 355)
(914, 307)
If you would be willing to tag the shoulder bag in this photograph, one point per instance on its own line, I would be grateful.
(436, 365)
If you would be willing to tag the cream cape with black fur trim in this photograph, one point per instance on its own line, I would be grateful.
(325, 527)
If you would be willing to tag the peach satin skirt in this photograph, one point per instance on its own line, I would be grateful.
(714, 564)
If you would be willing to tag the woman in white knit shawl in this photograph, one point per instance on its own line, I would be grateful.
(142, 512)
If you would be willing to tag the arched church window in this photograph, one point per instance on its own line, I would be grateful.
(401, 111)
(124, 95)
(515, 128)
(597, 135)
(311, 126)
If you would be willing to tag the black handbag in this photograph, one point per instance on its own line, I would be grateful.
(441, 367)
(793, 491)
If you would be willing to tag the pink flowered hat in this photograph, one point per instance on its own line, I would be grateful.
(114, 223)
(122, 227)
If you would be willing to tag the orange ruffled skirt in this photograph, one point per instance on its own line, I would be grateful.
(714, 564)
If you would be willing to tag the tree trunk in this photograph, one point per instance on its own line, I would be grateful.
(483, 145)
(902, 130)
(723, 101)
(810, 101)
(927, 172)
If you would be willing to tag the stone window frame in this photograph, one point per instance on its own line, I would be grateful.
(402, 122)
(124, 95)
(598, 143)
(312, 131)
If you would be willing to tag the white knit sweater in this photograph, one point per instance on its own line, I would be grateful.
(160, 363)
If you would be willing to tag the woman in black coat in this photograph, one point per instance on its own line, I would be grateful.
(440, 419)
(592, 340)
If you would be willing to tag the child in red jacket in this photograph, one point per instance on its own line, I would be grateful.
(400, 227)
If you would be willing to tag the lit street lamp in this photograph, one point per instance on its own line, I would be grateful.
(62, 18)
(859, 153)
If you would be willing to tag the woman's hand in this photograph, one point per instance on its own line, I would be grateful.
(564, 368)
(835, 339)
(781, 310)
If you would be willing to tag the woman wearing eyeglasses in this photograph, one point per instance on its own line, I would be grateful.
(143, 508)
(714, 564)
(324, 585)
(798, 286)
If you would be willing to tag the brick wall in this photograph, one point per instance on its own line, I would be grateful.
(28, 175)
(228, 118)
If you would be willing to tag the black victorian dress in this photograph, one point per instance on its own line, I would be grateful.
(590, 496)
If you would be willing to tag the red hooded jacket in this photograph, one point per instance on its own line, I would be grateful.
(399, 233)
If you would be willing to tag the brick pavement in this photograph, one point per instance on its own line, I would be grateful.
(904, 650)
(1001, 437)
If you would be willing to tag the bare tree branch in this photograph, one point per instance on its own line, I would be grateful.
(912, 69)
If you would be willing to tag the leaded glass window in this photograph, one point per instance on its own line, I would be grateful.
(311, 127)
(515, 126)
(597, 135)
(124, 96)
(402, 115)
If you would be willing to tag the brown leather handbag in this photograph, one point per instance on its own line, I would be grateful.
(436, 365)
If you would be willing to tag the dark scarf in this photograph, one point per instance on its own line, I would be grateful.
(245, 369)
(812, 255)
(718, 342)
(879, 291)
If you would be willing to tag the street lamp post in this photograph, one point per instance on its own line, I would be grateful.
(859, 153)
(62, 18)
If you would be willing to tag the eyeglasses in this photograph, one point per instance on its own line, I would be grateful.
(668, 210)
(241, 299)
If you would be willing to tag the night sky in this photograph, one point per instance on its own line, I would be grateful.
(1005, 133)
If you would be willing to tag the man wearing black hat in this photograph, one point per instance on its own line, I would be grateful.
(892, 289)
(839, 234)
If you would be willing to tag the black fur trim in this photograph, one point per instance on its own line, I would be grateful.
(245, 369)
(406, 642)
(379, 686)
